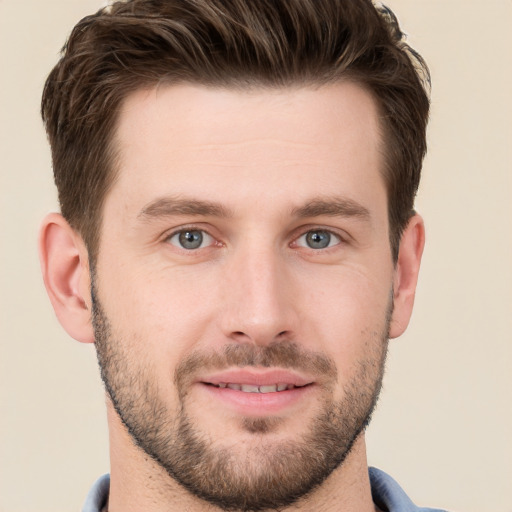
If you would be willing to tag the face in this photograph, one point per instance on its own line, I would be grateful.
(243, 287)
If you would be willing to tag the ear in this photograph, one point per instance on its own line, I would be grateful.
(65, 267)
(406, 275)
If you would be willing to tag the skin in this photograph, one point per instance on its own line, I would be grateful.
(261, 157)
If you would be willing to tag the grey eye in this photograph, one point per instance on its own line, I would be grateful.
(190, 239)
(318, 239)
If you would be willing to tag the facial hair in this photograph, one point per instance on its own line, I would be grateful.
(266, 475)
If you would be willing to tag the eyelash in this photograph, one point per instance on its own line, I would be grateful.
(339, 239)
(190, 229)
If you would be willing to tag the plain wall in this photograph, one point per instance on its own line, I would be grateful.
(443, 427)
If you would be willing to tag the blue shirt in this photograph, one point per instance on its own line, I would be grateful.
(386, 494)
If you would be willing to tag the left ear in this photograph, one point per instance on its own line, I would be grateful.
(406, 275)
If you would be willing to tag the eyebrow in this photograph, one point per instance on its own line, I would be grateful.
(169, 206)
(332, 207)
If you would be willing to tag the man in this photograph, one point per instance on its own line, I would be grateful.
(238, 239)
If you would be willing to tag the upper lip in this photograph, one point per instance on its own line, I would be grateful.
(254, 377)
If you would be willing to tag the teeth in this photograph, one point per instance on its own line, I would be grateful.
(268, 389)
(249, 388)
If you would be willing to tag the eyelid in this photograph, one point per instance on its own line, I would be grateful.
(190, 227)
(304, 230)
(340, 237)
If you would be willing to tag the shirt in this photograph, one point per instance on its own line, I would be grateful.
(386, 494)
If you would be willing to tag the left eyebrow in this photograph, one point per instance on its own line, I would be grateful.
(332, 207)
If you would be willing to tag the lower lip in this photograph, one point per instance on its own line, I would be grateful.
(258, 404)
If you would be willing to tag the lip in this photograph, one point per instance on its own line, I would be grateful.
(256, 404)
(257, 378)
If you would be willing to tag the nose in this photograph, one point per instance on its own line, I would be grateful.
(258, 303)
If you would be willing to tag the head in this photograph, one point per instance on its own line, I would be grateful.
(237, 45)
(237, 180)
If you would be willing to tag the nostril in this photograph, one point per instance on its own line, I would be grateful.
(260, 336)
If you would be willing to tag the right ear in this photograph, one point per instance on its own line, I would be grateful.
(65, 267)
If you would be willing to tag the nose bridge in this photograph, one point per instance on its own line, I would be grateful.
(258, 305)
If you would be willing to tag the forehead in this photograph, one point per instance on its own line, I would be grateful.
(197, 115)
(236, 145)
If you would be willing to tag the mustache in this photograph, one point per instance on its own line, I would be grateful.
(283, 354)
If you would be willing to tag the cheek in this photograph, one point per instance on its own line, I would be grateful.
(166, 309)
(346, 315)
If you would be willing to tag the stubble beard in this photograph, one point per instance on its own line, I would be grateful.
(265, 475)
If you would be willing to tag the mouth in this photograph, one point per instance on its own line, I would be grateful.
(257, 392)
(251, 388)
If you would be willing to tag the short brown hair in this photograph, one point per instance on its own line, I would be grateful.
(235, 44)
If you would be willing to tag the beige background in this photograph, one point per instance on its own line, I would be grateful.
(444, 424)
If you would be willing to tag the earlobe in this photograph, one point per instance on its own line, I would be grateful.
(406, 275)
(65, 268)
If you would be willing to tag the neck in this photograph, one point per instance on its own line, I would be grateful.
(137, 482)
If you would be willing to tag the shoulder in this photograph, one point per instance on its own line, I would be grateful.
(389, 496)
(98, 495)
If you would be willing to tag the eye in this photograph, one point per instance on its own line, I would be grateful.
(318, 239)
(190, 239)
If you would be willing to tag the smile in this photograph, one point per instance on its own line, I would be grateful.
(253, 392)
(250, 388)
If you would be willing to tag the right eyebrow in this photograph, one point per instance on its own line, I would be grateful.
(169, 206)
